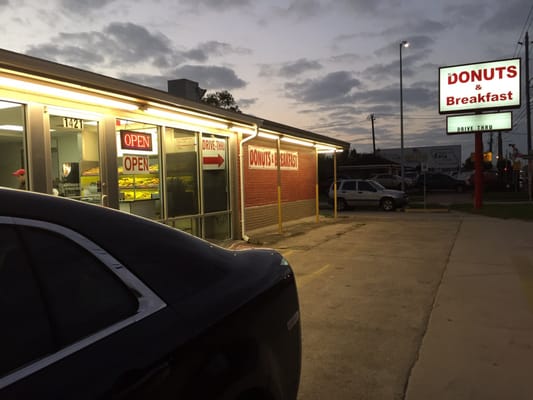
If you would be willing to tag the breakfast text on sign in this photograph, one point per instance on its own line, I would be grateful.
(479, 99)
(266, 158)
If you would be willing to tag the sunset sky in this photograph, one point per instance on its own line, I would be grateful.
(320, 65)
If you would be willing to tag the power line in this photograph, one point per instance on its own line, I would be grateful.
(525, 28)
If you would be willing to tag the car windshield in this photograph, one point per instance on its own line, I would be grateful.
(377, 185)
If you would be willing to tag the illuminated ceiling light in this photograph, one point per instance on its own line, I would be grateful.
(66, 94)
(265, 135)
(186, 119)
(196, 116)
(69, 112)
(297, 141)
(323, 149)
(5, 104)
(243, 130)
(15, 128)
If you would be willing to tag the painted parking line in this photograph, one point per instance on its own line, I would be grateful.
(287, 253)
(524, 266)
(304, 280)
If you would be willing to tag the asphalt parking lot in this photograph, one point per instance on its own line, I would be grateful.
(412, 305)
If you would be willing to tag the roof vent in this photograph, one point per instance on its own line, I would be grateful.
(186, 89)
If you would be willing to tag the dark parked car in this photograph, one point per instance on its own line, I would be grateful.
(438, 181)
(99, 304)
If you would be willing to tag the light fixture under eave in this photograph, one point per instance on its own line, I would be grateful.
(15, 128)
(243, 130)
(187, 119)
(323, 149)
(66, 94)
(328, 151)
(265, 135)
(296, 141)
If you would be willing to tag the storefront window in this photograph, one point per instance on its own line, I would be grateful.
(182, 172)
(12, 148)
(138, 171)
(75, 158)
(215, 186)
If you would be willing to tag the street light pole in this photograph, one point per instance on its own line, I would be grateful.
(403, 43)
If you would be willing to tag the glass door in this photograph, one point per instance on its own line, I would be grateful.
(75, 158)
(215, 185)
(13, 171)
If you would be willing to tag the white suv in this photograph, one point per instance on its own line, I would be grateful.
(362, 192)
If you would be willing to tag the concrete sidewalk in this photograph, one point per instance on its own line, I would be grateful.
(479, 341)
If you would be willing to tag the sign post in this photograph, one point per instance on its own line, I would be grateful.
(478, 175)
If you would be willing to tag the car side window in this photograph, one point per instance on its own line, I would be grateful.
(25, 332)
(366, 187)
(82, 295)
(349, 185)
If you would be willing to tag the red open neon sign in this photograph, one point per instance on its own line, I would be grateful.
(130, 140)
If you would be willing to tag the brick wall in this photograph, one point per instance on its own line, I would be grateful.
(296, 185)
(267, 215)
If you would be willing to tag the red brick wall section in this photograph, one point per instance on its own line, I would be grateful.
(296, 185)
(267, 216)
(299, 185)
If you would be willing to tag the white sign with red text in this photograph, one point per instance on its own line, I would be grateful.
(481, 86)
(266, 158)
(213, 153)
(135, 164)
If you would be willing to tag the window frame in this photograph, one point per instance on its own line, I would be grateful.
(148, 302)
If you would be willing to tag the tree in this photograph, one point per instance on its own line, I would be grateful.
(223, 99)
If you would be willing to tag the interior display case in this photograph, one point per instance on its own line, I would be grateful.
(90, 185)
(134, 187)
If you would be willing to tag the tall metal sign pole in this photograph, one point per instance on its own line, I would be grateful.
(403, 43)
(528, 119)
(478, 174)
(528, 106)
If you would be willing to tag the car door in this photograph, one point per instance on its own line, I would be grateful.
(348, 192)
(75, 323)
(367, 194)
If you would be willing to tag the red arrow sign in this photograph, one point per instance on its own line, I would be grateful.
(219, 160)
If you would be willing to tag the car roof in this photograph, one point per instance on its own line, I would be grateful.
(176, 263)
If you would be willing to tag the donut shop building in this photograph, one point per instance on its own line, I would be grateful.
(208, 171)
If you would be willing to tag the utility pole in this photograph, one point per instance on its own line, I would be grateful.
(372, 119)
(528, 105)
(528, 119)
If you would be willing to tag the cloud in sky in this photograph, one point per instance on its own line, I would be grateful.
(322, 65)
